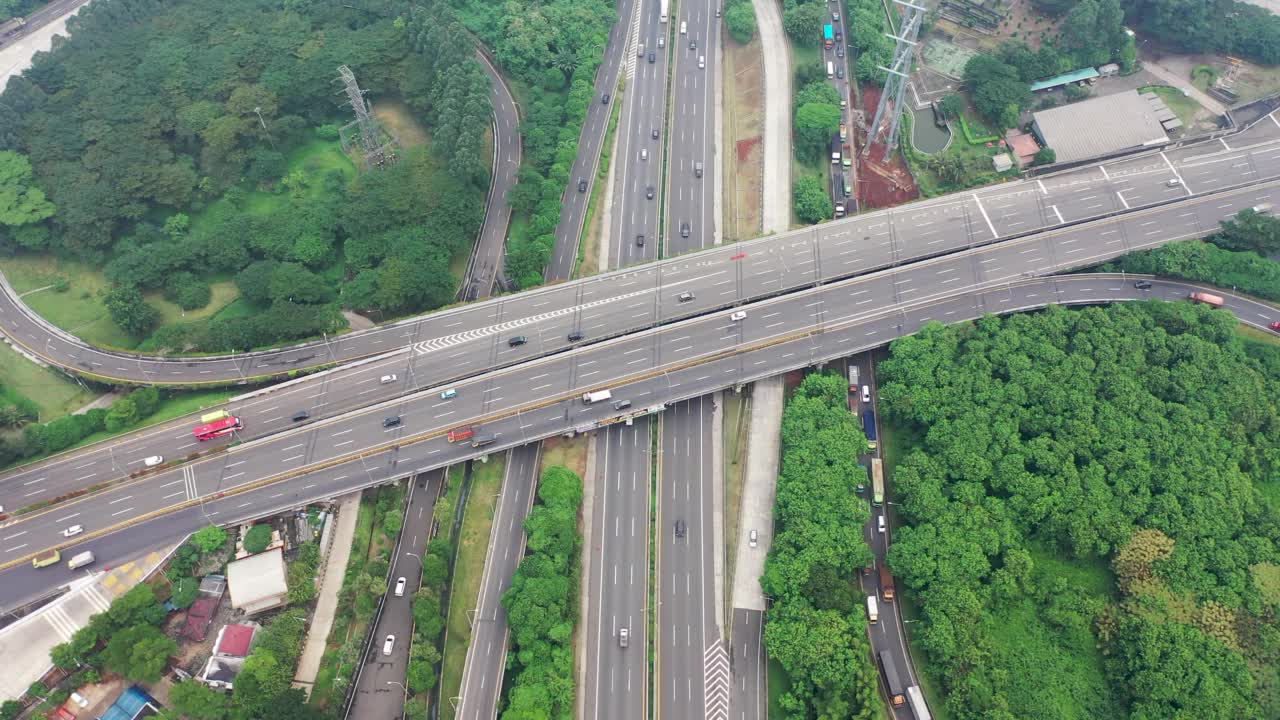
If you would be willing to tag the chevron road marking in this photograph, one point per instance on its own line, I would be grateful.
(715, 671)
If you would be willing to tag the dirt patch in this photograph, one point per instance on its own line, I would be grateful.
(569, 452)
(399, 120)
(744, 127)
(881, 183)
(357, 321)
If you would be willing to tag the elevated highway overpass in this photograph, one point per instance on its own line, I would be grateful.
(472, 337)
(541, 398)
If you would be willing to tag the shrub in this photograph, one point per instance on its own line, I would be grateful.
(257, 539)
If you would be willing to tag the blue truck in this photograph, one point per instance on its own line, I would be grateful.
(869, 427)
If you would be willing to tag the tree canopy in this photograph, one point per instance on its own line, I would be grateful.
(151, 125)
(542, 602)
(815, 627)
(1043, 443)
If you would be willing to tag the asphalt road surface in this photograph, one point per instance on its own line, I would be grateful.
(380, 689)
(617, 685)
(487, 652)
(472, 337)
(590, 142)
(145, 518)
(888, 633)
(630, 300)
(749, 695)
(633, 214)
(487, 259)
(562, 375)
(691, 197)
(692, 666)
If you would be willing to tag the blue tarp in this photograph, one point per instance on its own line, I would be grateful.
(131, 704)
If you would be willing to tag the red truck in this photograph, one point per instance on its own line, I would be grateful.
(886, 583)
(1207, 299)
(462, 433)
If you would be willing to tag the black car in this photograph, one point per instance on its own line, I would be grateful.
(517, 340)
(301, 415)
(622, 405)
(391, 422)
(576, 335)
(684, 229)
(693, 44)
(680, 528)
(652, 57)
(639, 241)
(655, 133)
(648, 192)
(604, 99)
(582, 184)
(1143, 284)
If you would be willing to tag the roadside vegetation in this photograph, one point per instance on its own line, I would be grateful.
(364, 583)
(815, 628)
(1238, 256)
(552, 49)
(542, 603)
(1084, 522)
(471, 548)
(27, 441)
(186, 146)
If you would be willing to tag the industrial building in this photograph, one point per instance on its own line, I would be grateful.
(1102, 126)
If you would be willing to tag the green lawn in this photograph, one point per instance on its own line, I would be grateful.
(173, 407)
(77, 310)
(54, 393)
(468, 570)
(779, 683)
(1184, 107)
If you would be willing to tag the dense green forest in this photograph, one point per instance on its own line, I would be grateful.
(157, 140)
(551, 49)
(542, 602)
(816, 627)
(1090, 512)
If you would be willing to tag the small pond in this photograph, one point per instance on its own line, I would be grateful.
(927, 137)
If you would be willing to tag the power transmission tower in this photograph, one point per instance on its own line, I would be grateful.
(895, 84)
(377, 152)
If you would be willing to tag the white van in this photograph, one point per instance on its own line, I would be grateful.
(684, 28)
(831, 70)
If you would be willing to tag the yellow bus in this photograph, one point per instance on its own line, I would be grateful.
(53, 557)
(214, 416)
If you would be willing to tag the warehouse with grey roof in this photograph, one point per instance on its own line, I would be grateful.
(1103, 126)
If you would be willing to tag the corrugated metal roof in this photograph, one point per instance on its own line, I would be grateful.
(1063, 79)
(1099, 126)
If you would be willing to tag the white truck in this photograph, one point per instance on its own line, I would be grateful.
(80, 560)
(873, 612)
(595, 397)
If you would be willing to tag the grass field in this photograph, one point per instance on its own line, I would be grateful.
(173, 407)
(1184, 107)
(778, 683)
(78, 310)
(54, 393)
(468, 570)
(569, 452)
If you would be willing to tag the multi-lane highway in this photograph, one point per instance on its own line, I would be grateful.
(692, 666)
(691, 160)
(476, 338)
(617, 679)
(887, 633)
(483, 671)
(929, 227)
(674, 362)
(746, 356)
(590, 142)
(637, 190)
(380, 689)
